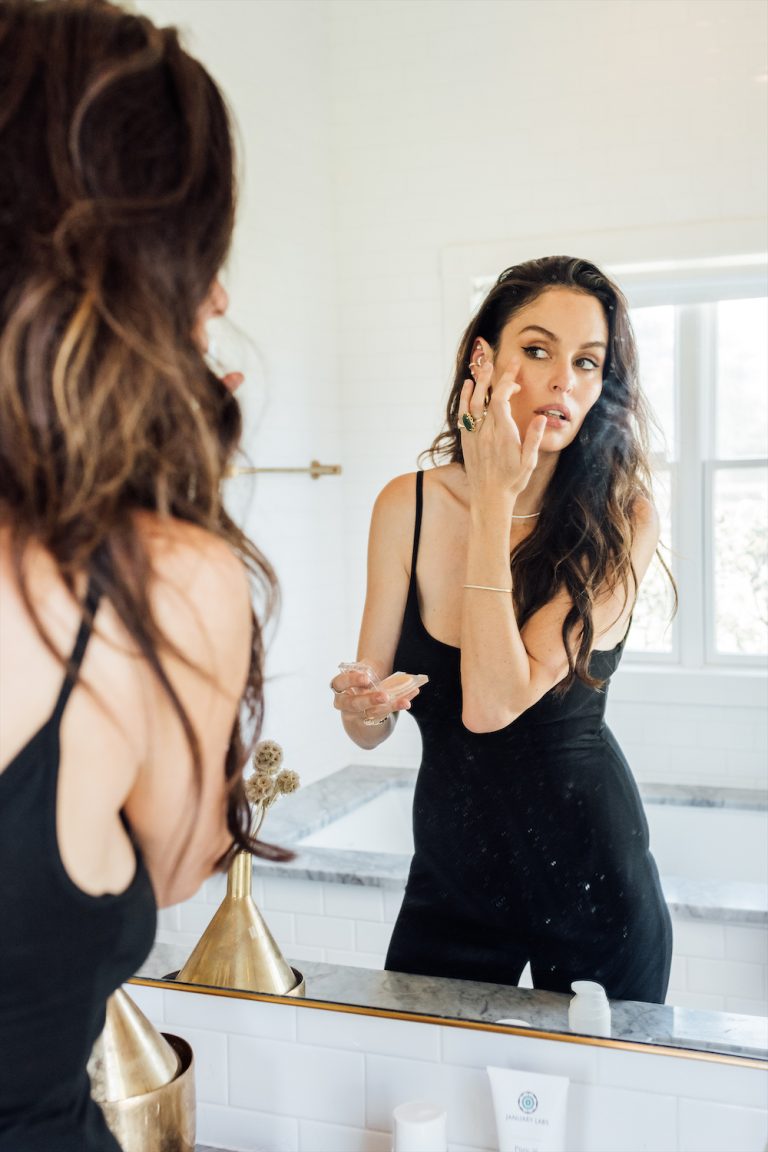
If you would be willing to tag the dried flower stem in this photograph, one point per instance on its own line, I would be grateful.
(268, 781)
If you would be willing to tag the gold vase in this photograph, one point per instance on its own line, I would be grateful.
(143, 1081)
(237, 950)
(130, 1056)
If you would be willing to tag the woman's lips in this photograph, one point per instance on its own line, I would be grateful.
(557, 415)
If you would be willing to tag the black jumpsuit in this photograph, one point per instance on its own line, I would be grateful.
(530, 842)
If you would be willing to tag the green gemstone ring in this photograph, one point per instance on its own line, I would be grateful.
(470, 423)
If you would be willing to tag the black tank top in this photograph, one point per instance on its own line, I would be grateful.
(582, 707)
(62, 953)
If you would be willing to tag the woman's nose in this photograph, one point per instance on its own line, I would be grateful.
(562, 378)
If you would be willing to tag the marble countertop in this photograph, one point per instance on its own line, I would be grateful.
(325, 800)
(446, 1001)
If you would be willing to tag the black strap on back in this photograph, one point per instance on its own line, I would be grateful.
(81, 643)
(417, 524)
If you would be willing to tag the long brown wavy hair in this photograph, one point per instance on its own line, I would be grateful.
(583, 537)
(117, 201)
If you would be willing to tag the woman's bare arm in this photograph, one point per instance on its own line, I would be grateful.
(505, 670)
(389, 555)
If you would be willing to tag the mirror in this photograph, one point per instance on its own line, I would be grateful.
(396, 155)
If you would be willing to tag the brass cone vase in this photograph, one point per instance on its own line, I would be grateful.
(130, 1056)
(143, 1081)
(237, 950)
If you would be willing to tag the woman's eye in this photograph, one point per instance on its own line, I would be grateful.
(535, 352)
(588, 363)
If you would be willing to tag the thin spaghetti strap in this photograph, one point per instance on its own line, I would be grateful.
(417, 524)
(78, 652)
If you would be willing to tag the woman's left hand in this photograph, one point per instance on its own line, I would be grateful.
(496, 458)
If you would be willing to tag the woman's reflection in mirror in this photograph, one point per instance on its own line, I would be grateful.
(507, 573)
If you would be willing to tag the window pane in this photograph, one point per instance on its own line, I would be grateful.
(652, 618)
(742, 378)
(740, 502)
(655, 333)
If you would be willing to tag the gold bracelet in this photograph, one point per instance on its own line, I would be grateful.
(488, 588)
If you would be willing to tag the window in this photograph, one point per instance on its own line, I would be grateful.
(704, 367)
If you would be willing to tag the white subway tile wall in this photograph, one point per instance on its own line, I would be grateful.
(683, 742)
(326, 1081)
(717, 966)
(708, 1127)
(281, 278)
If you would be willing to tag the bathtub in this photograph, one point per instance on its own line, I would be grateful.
(695, 841)
(351, 832)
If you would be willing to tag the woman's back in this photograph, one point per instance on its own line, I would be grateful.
(84, 834)
(123, 747)
(65, 950)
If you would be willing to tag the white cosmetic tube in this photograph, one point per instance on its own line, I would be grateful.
(530, 1110)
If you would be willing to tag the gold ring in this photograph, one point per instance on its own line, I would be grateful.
(372, 722)
(470, 423)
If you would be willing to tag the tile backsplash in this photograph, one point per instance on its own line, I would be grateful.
(718, 966)
(278, 1078)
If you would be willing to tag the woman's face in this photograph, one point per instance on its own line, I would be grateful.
(556, 347)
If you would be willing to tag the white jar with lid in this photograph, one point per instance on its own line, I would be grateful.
(419, 1127)
(589, 1010)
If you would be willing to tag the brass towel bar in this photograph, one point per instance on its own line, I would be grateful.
(315, 470)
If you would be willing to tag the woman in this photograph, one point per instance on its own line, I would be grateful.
(508, 576)
(128, 641)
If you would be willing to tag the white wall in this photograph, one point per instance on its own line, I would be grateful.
(271, 58)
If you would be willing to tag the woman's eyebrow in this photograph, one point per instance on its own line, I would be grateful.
(556, 339)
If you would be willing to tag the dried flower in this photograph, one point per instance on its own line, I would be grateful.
(287, 781)
(267, 782)
(259, 787)
(268, 755)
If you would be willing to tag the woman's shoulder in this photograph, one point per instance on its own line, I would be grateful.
(645, 519)
(177, 548)
(401, 491)
(200, 588)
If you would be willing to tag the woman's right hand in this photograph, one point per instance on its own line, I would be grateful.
(358, 699)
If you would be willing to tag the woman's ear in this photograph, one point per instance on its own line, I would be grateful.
(482, 348)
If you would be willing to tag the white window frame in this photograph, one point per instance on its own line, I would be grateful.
(691, 286)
